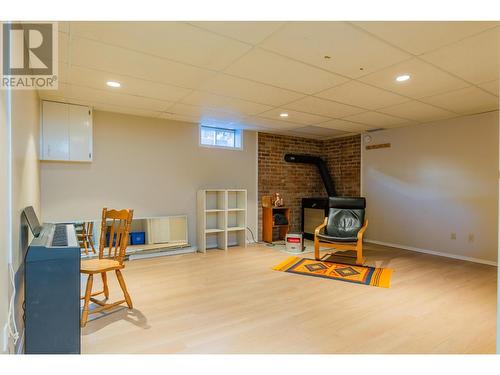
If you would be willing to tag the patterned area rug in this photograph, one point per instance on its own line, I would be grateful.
(380, 277)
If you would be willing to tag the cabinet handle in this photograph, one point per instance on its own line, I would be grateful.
(90, 155)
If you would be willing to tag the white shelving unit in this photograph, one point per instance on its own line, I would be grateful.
(222, 218)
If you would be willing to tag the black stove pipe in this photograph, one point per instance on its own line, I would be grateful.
(322, 168)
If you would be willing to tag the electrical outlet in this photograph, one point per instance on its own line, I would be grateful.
(471, 237)
(5, 338)
(453, 236)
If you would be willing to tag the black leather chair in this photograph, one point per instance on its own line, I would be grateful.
(344, 227)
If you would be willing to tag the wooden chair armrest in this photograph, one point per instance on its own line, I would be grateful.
(362, 230)
(318, 228)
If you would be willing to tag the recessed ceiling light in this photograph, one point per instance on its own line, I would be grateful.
(403, 77)
(113, 84)
(283, 114)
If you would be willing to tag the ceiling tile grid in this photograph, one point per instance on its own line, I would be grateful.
(465, 101)
(269, 68)
(350, 51)
(332, 78)
(418, 37)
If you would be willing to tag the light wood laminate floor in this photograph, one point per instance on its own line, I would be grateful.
(234, 303)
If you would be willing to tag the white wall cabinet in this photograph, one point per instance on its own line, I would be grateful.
(66, 132)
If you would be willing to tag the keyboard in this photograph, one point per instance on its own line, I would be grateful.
(60, 237)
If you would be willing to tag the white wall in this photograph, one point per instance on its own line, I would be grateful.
(4, 214)
(154, 166)
(25, 174)
(25, 164)
(23, 182)
(436, 179)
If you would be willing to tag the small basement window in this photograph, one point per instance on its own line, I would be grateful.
(220, 137)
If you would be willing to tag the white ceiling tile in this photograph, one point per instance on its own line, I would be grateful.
(58, 95)
(96, 55)
(178, 117)
(378, 120)
(272, 69)
(206, 117)
(51, 95)
(475, 59)
(362, 95)
(178, 41)
(303, 135)
(186, 110)
(323, 107)
(225, 85)
(344, 125)
(126, 110)
(418, 37)
(314, 130)
(465, 101)
(117, 99)
(151, 84)
(97, 79)
(294, 116)
(418, 111)
(269, 124)
(66, 94)
(246, 31)
(425, 79)
(491, 86)
(221, 121)
(348, 47)
(203, 113)
(224, 103)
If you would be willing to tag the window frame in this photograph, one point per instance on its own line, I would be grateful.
(238, 133)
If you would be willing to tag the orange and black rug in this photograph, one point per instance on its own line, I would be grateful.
(380, 277)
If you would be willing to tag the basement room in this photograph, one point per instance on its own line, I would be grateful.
(249, 186)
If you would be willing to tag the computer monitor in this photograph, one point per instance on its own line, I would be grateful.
(32, 219)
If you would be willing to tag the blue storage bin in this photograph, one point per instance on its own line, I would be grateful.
(137, 238)
(107, 239)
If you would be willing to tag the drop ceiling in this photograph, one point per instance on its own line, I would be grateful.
(332, 78)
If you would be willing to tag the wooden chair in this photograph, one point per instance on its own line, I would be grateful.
(86, 237)
(344, 227)
(110, 259)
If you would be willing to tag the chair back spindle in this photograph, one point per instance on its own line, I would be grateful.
(116, 224)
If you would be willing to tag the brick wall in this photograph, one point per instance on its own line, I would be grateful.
(297, 181)
(343, 157)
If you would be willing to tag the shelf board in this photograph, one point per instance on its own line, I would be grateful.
(229, 229)
(215, 210)
(281, 225)
(216, 230)
(236, 209)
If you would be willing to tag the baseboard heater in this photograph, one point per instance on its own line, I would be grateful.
(314, 210)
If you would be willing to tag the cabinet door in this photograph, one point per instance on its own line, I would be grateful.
(55, 131)
(80, 133)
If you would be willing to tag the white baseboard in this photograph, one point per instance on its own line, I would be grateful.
(185, 250)
(432, 252)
